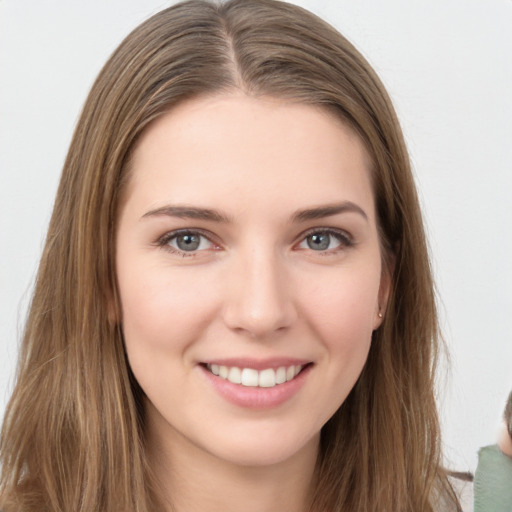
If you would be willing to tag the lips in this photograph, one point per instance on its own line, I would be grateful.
(257, 384)
(251, 377)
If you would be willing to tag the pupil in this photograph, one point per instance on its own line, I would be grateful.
(319, 242)
(188, 242)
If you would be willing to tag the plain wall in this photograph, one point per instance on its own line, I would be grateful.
(448, 67)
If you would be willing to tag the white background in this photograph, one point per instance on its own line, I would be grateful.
(448, 67)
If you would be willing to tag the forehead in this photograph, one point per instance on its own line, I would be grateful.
(240, 150)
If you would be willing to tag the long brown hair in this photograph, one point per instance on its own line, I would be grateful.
(73, 434)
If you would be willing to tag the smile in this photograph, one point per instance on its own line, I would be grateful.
(266, 378)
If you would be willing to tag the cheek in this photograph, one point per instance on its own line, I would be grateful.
(343, 317)
(344, 310)
(161, 311)
(161, 319)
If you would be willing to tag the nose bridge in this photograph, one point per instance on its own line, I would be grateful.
(259, 298)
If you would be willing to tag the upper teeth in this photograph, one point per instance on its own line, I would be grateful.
(267, 378)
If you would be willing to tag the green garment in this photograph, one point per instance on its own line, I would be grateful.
(493, 481)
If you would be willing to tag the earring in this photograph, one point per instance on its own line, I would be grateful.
(380, 314)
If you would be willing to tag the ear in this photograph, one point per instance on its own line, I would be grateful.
(386, 284)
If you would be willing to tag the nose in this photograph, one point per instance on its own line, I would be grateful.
(259, 295)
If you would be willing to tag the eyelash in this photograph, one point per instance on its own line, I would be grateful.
(163, 241)
(345, 240)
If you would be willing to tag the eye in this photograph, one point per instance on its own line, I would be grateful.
(325, 240)
(186, 242)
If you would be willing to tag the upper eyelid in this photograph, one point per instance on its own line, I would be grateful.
(169, 235)
(325, 229)
(337, 231)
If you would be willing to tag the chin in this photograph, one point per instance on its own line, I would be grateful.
(259, 451)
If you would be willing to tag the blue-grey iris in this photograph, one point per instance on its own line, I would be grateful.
(319, 242)
(188, 242)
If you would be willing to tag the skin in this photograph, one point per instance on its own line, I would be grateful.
(253, 289)
(505, 435)
(505, 440)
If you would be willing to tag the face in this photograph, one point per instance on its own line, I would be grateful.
(249, 274)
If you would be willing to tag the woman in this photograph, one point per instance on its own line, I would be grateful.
(234, 305)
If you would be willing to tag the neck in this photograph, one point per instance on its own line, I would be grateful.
(190, 479)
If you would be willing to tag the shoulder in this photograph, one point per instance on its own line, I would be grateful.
(491, 489)
(492, 480)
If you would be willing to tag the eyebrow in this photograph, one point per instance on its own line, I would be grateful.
(194, 212)
(328, 211)
(188, 212)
